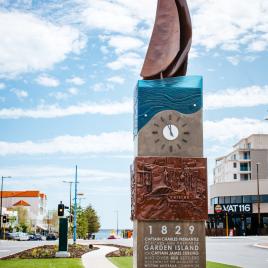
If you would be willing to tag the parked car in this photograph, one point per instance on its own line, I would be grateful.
(36, 237)
(20, 236)
(51, 237)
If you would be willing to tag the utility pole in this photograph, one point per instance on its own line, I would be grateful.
(258, 200)
(75, 206)
(116, 222)
(1, 202)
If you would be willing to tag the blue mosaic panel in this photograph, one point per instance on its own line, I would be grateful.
(182, 94)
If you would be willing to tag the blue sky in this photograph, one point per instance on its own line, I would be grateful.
(67, 74)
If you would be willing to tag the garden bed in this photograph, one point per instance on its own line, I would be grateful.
(121, 252)
(49, 251)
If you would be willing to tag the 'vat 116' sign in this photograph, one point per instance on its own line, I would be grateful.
(235, 208)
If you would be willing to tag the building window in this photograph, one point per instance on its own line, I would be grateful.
(246, 155)
(265, 222)
(235, 176)
(236, 199)
(254, 198)
(234, 156)
(221, 200)
(244, 177)
(234, 164)
(227, 199)
(247, 199)
(264, 198)
(244, 167)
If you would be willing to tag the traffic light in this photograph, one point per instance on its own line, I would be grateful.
(60, 209)
(5, 219)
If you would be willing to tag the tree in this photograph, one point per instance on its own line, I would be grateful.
(23, 219)
(54, 221)
(82, 224)
(92, 219)
(87, 221)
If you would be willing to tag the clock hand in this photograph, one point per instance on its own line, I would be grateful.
(170, 130)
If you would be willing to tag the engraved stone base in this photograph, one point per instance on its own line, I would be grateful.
(162, 244)
(62, 254)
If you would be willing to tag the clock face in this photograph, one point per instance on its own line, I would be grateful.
(170, 132)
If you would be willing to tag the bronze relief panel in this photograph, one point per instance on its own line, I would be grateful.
(169, 188)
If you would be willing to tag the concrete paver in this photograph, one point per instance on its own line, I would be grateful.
(97, 259)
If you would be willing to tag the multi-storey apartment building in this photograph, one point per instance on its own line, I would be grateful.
(34, 202)
(237, 177)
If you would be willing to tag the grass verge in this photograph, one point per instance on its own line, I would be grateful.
(126, 262)
(41, 263)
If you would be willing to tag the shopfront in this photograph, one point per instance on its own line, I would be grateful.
(236, 220)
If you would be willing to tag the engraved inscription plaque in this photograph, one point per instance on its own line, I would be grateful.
(168, 244)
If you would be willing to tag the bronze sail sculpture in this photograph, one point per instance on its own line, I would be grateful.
(167, 55)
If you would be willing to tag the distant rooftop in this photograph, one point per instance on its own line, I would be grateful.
(28, 193)
(21, 203)
(252, 136)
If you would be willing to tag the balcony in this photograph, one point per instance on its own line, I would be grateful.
(245, 167)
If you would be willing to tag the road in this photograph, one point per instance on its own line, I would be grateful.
(238, 251)
(12, 247)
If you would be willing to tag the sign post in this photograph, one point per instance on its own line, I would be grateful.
(227, 224)
(63, 234)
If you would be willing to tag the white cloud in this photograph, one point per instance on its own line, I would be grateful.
(59, 95)
(236, 59)
(21, 94)
(53, 111)
(29, 43)
(122, 44)
(73, 91)
(77, 81)
(119, 142)
(47, 81)
(243, 97)
(2, 86)
(244, 23)
(121, 16)
(116, 79)
(58, 172)
(229, 24)
(64, 95)
(129, 60)
(233, 128)
(102, 87)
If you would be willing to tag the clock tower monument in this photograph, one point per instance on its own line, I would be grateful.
(169, 174)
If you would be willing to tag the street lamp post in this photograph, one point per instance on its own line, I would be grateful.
(75, 207)
(70, 209)
(258, 199)
(1, 201)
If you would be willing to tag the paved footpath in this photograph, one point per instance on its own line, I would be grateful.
(97, 259)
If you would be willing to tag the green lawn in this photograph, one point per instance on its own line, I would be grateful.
(126, 262)
(41, 263)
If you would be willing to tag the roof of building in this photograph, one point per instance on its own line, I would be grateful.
(7, 194)
(250, 136)
(21, 203)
